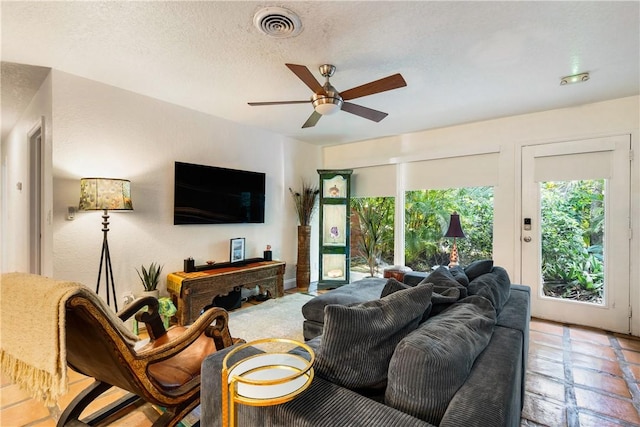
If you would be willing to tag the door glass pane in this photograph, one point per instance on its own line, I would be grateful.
(427, 214)
(572, 227)
(372, 222)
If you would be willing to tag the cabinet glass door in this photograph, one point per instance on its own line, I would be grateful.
(335, 192)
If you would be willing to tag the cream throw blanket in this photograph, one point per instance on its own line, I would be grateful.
(32, 332)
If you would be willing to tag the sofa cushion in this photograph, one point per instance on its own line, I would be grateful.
(443, 300)
(442, 350)
(394, 285)
(442, 279)
(358, 340)
(494, 286)
(458, 273)
(360, 291)
(478, 268)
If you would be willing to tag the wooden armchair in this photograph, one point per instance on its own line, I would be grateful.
(164, 372)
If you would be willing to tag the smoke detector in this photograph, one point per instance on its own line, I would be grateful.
(277, 22)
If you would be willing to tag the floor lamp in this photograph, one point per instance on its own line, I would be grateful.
(455, 231)
(105, 194)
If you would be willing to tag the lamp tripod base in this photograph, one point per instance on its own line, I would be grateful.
(105, 260)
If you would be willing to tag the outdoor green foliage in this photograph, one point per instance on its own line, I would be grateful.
(572, 237)
(427, 214)
(375, 230)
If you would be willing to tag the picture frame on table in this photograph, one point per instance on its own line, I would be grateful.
(237, 249)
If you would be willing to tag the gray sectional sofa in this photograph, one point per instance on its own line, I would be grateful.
(447, 349)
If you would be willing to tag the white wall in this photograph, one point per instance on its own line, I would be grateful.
(101, 130)
(507, 136)
(14, 211)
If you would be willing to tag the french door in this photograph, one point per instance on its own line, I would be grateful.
(575, 231)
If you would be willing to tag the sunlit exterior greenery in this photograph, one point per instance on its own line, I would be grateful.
(372, 232)
(572, 239)
(427, 215)
(572, 227)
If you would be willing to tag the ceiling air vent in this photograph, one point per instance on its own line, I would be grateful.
(277, 22)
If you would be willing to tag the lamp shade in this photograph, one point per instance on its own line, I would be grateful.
(455, 229)
(105, 194)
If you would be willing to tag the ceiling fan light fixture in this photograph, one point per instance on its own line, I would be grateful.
(326, 105)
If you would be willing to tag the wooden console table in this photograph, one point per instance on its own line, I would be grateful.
(191, 292)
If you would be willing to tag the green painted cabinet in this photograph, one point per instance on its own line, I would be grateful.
(335, 208)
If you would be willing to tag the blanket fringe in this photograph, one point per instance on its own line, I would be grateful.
(41, 385)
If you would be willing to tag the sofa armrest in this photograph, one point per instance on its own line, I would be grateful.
(491, 395)
(322, 404)
(412, 278)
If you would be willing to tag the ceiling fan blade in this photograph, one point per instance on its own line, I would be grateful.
(258, 104)
(367, 113)
(388, 83)
(312, 120)
(305, 75)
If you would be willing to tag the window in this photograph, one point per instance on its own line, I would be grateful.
(427, 214)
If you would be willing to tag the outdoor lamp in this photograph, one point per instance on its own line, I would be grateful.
(455, 231)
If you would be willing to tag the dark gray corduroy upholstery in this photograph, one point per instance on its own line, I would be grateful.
(358, 340)
(491, 395)
(439, 355)
(392, 286)
(486, 399)
(494, 286)
(515, 315)
(324, 404)
(361, 291)
(478, 268)
(442, 280)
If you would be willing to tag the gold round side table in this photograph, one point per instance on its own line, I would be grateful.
(264, 379)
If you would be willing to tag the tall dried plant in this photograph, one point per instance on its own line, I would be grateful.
(305, 201)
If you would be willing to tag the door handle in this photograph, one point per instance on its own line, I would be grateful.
(527, 239)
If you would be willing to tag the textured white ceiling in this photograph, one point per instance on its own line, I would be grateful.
(463, 61)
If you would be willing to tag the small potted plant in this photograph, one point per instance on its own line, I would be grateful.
(150, 278)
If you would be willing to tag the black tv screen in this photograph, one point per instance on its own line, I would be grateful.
(214, 195)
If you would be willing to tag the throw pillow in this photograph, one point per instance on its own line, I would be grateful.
(494, 286)
(478, 268)
(358, 341)
(443, 300)
(442, 350)
(392, 286)
(458, 273)
(442, 279)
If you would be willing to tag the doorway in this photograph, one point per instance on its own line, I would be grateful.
(575, 231)
(36, 166)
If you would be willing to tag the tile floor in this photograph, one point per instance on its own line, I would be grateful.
(577, 377)
(580, 377)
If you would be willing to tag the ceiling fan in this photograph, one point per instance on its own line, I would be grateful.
(327, 100)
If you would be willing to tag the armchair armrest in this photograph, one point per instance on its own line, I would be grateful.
(150, 317)
(176, 345)
(135, 306)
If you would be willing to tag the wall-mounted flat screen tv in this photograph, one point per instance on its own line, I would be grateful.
(214, 195)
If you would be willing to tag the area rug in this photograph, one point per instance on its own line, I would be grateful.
(274, 318)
